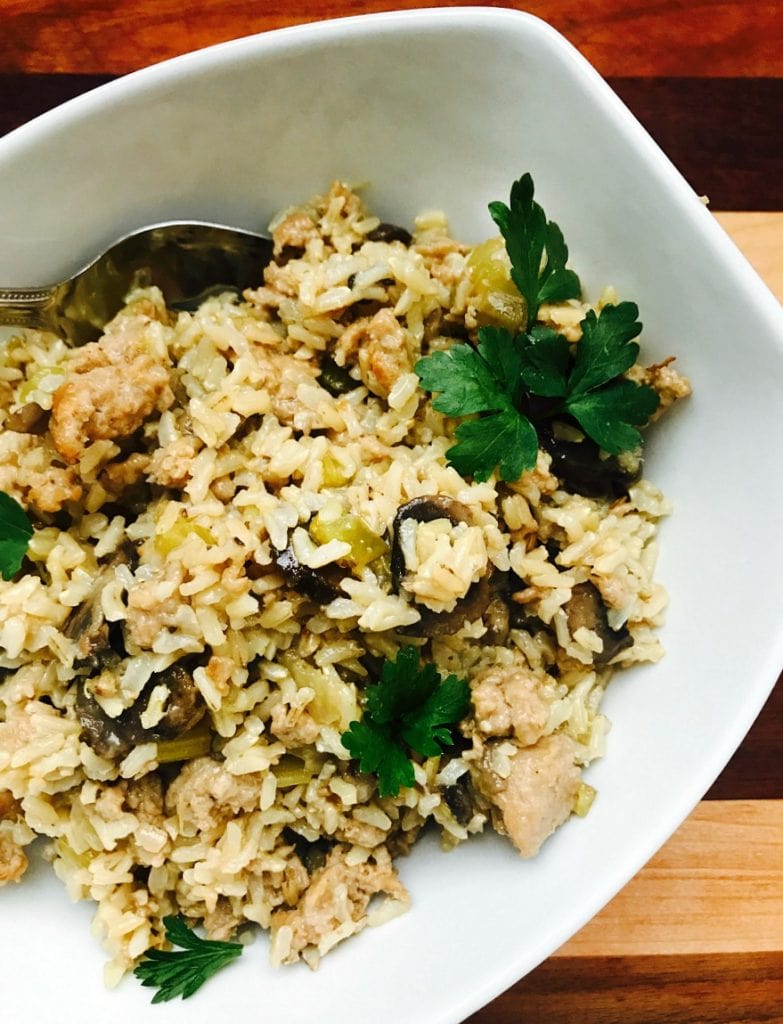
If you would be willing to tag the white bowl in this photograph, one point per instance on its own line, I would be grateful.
(444, 108)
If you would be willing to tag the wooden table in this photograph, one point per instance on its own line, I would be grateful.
(697, 936)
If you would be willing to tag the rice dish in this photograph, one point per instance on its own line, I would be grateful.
(240, 515)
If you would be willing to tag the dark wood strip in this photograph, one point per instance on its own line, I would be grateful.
(756, 770)
(723, 134)
(25, 96)
(720, 989)
(621, 37)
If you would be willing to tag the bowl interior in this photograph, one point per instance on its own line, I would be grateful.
(444, 109)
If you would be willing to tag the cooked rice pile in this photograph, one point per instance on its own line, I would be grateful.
(166, 467)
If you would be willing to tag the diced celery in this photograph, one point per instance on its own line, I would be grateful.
(297, 768)
(179, 533)
(365, 544)
(195, 743)
(335, 474)
(583, 800)
(496, 296)
(334, 702)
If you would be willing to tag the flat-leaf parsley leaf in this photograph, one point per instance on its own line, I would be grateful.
(536, 248)
(410, 710)
(181, 973)
(511, 382)
(483, 379)
(15, 533)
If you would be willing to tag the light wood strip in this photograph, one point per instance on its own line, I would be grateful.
(715, 887)
(760, 237)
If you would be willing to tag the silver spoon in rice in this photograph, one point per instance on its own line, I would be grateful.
(188, 261)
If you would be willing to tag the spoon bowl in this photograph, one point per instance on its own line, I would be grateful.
(188, 261)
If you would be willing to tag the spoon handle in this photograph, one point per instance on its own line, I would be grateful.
(26, 307)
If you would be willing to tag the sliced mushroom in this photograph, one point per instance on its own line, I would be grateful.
(459, 799)
(425, 509)
(313, 853)
(114, 738)
(29, 419)
(472, 606)
(469, 608)
(319, 585)
(583, 469)
(89, 630)
(586, 609)
(98, 644)
(336, 379)
(386, 232)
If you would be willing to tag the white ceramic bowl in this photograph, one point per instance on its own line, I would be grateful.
(444, 108)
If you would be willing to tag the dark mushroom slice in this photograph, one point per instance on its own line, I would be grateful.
(585, 608)
(467, 609)
(312, 853)
(357, 310)
(185, 706)
(459, 799)
(426, 509)
(336, 379)
(99, 644)
(584, 470)
(319, 585)
(89, 630)
(106, 736)
(29, 419)
(114, 738)
(386, 232)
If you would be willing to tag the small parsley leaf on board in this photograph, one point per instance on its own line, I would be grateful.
(181, 973)
(15, 533)
(411, 709)
(536, 248)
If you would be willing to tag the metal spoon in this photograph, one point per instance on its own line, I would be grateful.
(188, 261)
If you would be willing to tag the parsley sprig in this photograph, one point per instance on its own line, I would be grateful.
(182, 973)
(15, 533)
(409, 710)
(504, 376)
(536, 248)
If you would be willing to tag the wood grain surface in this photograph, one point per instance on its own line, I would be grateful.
(714, 38)
(697, 936)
